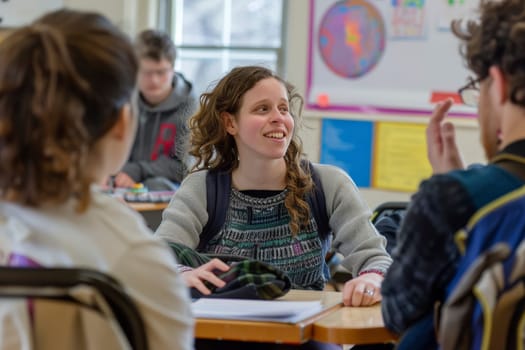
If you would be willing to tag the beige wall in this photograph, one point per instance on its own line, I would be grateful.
(130, 15)
(296, 54)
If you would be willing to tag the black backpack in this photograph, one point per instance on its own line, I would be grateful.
(218, 188)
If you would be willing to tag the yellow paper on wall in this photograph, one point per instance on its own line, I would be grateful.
(400, 156)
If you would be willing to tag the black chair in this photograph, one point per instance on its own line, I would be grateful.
(57, 284)
(387, 218)
(388, 208)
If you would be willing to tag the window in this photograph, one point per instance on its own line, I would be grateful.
(213, 36)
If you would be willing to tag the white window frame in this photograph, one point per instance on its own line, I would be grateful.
(171, 22)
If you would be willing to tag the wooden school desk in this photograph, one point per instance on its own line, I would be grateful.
(329, 325)
(353, 325)
(147, 206)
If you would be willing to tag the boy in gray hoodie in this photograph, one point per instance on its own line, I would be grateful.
(166, 102)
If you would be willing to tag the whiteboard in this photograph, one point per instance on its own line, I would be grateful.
(417, 56)
(14, 13)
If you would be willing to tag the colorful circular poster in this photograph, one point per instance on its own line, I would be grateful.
(352, 38)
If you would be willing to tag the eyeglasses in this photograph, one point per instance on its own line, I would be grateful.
(470, 92)
(162, 72)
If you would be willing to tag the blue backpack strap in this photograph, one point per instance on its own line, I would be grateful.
(495, 222)
(218, 188)
(488, 285)
(317, 202)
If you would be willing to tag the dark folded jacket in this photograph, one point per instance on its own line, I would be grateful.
(246, 279)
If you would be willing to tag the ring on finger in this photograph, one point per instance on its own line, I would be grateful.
(369, 291)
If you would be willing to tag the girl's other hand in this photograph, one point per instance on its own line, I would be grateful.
(363, 290)
(195, 278)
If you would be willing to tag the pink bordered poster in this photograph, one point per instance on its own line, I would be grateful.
(385, 56)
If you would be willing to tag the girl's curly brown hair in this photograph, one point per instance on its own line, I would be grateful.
(496, 38)
(63, 80)
(215, 149)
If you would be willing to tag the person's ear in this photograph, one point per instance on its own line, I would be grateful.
(498, 87)
(229, 123)
(124, 121)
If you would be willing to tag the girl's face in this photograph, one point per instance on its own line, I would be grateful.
(110, 152)
(130, 129)
(112, 149)
(264, 126)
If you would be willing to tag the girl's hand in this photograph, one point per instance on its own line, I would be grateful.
(195, 278)
(363, 290)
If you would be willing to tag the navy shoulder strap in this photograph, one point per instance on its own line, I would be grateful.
(317, 201)
(218, 188)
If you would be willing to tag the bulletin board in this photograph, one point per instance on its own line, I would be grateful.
(347, 144)
(388, 56)
(382, 155)
(400, 156)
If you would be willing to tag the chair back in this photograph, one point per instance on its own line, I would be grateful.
(66, 308)
(387, 218)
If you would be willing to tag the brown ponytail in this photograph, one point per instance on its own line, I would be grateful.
(63, 80)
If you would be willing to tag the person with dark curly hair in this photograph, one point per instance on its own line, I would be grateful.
(426, 256)
(247, 127)
(67, 121)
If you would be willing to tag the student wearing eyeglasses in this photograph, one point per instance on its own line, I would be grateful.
(426, 257)
(166, 102)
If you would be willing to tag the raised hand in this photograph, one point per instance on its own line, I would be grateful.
(442, 150)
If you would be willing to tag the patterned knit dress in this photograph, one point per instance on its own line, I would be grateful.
(257, 227)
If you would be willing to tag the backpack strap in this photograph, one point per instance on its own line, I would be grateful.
(218, 189)
(317, 202)
(479, 311)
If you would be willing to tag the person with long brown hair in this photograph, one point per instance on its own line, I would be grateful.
(66, 123)
(247, 126)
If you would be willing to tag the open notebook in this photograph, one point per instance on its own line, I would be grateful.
(256, 310)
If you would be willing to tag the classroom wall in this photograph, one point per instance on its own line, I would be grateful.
(135, 15)
(296, 72)
(131, 16)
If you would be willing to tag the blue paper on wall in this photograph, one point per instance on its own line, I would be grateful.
(348, 145)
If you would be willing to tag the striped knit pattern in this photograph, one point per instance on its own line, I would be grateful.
(258, 228)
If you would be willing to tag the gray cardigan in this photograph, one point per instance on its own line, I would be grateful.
(354, 236)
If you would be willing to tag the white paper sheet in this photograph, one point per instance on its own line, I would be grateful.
(256, 310)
